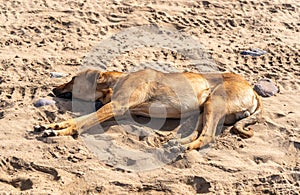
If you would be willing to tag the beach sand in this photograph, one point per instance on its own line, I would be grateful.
(39, 37)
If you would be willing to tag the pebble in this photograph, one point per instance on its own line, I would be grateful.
(43, 102)
(266, 88)
(58, 74)
(254, 52)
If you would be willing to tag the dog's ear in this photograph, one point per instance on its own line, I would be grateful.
(102, 78)
(107, 79)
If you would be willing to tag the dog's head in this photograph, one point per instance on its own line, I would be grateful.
(89, 85)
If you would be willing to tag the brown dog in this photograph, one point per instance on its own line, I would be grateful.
(224, 96)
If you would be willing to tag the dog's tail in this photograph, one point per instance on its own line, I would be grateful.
(241, 127)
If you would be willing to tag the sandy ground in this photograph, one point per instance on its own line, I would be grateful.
(38, 37)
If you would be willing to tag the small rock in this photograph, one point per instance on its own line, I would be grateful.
(266, 88)
(254, 52)
(43, 102)
(58, 74)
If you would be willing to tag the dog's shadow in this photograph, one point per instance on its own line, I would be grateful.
(138, 125)
(182, 127)
(78, 108)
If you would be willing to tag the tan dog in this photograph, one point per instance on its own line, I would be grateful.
(148, 92)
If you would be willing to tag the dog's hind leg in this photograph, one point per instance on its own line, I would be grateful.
(195, 132)
(214, 111)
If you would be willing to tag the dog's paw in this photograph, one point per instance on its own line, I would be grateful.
(49, 133)
(39, 128)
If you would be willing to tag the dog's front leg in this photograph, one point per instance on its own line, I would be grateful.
(77, 125)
